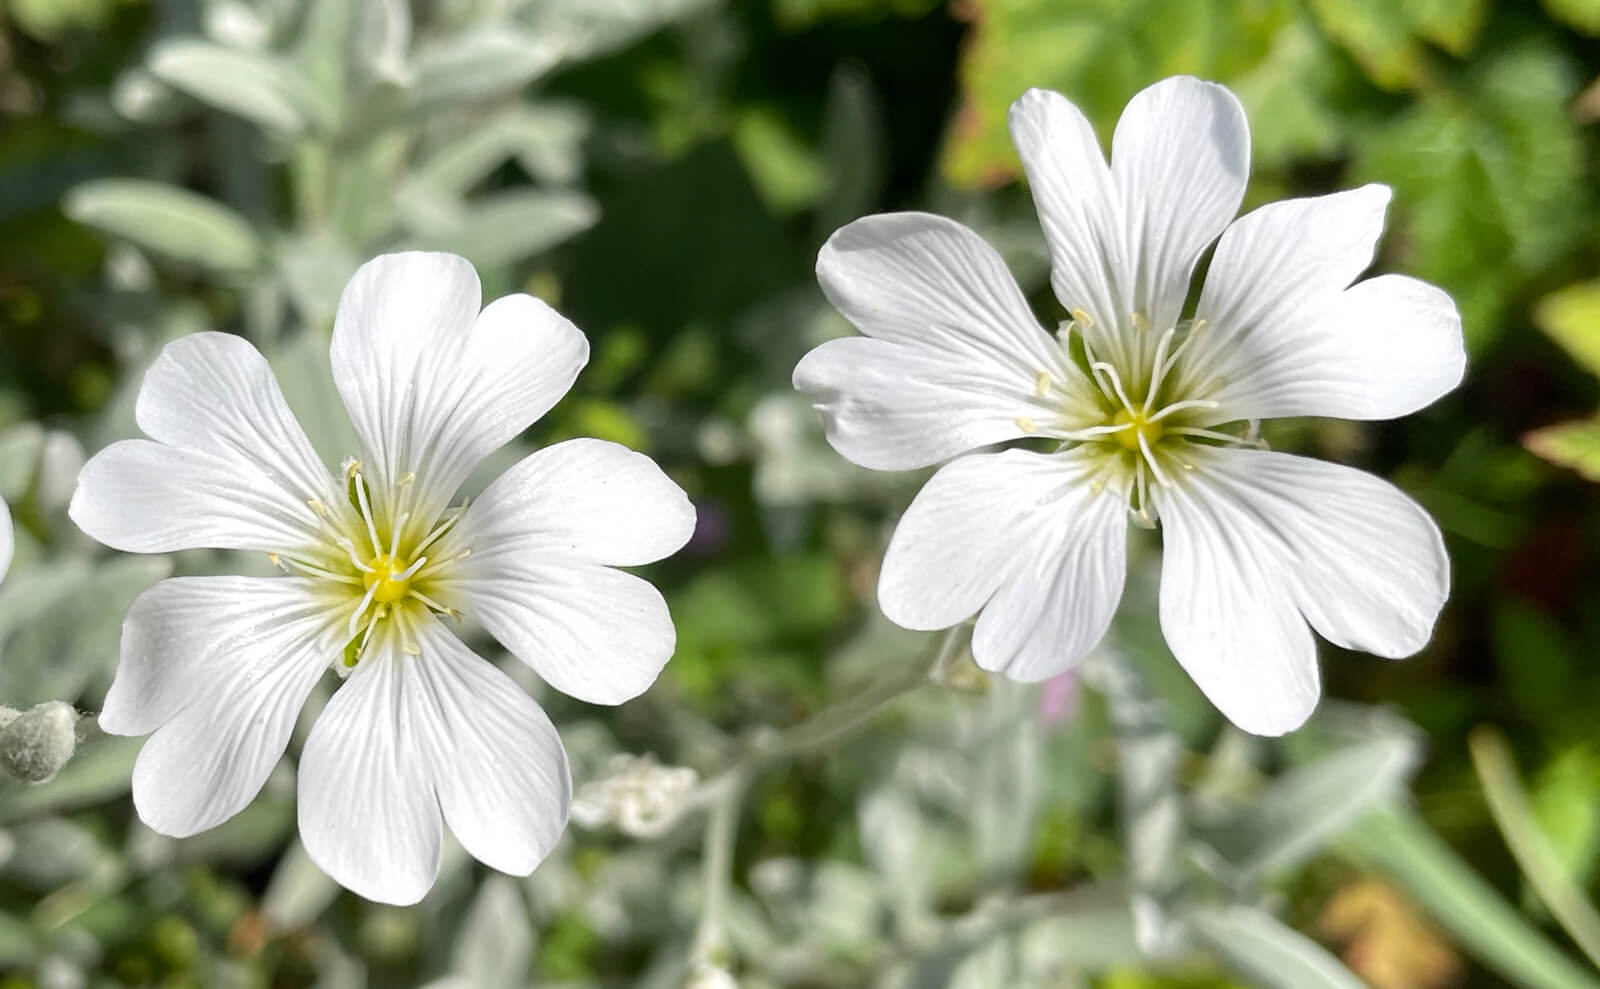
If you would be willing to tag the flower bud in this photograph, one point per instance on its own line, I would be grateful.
(36, 743)
(640, 796)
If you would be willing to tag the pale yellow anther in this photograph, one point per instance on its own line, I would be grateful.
(318, 507)
(406, 480)
(1026, 425)
(1140, 322)
(1041, 385)
(1082, 318)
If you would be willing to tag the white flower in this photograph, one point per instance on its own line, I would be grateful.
(377, 561)
(1152, 414)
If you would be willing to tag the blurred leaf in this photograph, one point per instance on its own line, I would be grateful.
(1098, 53)
(1263, 949)
(1566, 803)
(1153, 828)
(1304, 809)
(487, 62)
(495, 942)
(170, 221)
(1401, 846)
(1584, 15)
(1503, 789)
(509, 226)
(1488, 178)
(1575, 445)
(586, 28)
(299, 891)
(64, 635)
(1572, 318)
(1386, 38)
(100, 770)
(785, 169)
(262, 88)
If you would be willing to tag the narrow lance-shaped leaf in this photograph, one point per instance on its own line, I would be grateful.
(173, 222)
(1273, 956)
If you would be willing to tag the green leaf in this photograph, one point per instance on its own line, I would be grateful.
(260, 87)
(1308, 806)
(1386, 38)
(485, 63)
(509, 226)
(1575, 445)
(1489, 178)
(173, 222)
(1571, 317)
(299, 891)
(1566, 802)
(586, 28)
(1491, 757)
(1401, 846)
(1583, 15)
(495, 941)
(1272, 955)
(1097, 52)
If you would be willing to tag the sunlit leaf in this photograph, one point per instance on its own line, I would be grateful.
(1272, 955)
(173, 222)
(1575, 445)
(258, 86)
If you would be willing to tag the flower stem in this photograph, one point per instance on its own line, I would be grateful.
(725, 792)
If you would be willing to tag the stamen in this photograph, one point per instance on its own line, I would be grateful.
(443, 527)
(394, 537)
(349, 546)
(1026, 425)
(436, 606)
(1140, 322)
(361, 609)
(1041, 386)
(1082, 318)
(410, 571)
(1116, 383)
(284, 563)
(1150, 458)
(366, 511)
(1219, 436)
(441, 562)
(1193, 403)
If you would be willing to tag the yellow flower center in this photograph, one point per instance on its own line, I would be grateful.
(385, 580)
(1128, 438)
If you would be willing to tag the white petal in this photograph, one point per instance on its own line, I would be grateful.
(368, 814)
(502, 775)
(8, 538)
(409, 736)
(1382, 348)
(218, 668)
(433, 385)
(594, 633)
(954, 354)
(1285, 336)
(230, 467)
(1026, 538)
(1180, 159)
(584, 499)
(1078, 204)
(1255, 540)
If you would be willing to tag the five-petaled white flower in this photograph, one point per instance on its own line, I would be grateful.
(377, 562)
(1154, 412)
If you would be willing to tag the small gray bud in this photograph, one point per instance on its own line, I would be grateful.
(36, 743)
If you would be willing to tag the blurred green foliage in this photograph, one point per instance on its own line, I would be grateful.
(664, 171)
